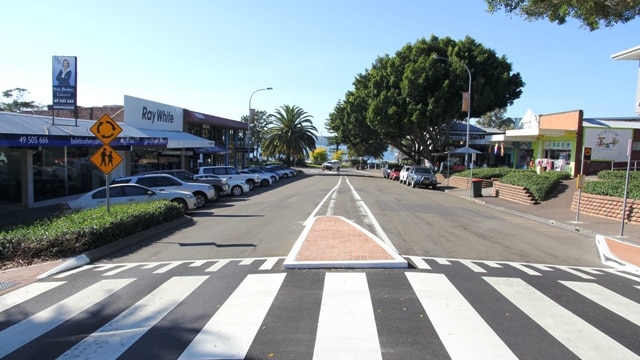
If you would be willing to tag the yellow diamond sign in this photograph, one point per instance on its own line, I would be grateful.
(106, 159)
(106, 129)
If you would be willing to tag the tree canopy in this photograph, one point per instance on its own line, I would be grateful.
(592, 14)
(411, 99)
(496, 119)
(16, 101)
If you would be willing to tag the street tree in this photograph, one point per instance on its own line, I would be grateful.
(261, 120)
(496, 119)
(290, 133)
(592, 14)
(411, 100)
(16, 102)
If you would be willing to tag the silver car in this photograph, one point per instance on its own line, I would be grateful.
(422, 176)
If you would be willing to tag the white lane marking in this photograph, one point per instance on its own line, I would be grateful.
(114, 338)
(419, 263)
(346, 325)
(576, 273)
(25, 293)
(461, 329)
(38, 324)
(231, 330)
(315, 211)
(617, 303)
(332, 203)
(217, 266)
(368, 215)
(623, 274)
(542, 267)
(576, 334)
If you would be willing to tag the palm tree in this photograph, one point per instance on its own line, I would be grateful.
(290, 132)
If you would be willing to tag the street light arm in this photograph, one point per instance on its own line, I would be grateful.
(250, 97)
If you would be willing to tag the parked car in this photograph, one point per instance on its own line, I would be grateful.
(129, 193)
(331, 165)
(220, 184)
(287, 171)
(422, 176)
(273, 174)
(387, 169)
(202, 192)
(402, 178)
(237, 187)
(230, 173)
(263, 179)
(394, 173)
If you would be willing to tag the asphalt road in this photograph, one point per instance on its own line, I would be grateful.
(418, 222)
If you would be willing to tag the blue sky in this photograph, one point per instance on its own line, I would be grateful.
(210, 56)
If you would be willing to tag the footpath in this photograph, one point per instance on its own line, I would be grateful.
(334, 242)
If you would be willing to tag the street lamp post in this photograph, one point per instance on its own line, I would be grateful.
(466, 157)
(251, 113)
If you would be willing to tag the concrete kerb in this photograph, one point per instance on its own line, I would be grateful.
(96, 254)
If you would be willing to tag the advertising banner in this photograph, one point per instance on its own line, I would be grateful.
(64, 80)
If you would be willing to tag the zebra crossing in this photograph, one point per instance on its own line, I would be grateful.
(455, 309)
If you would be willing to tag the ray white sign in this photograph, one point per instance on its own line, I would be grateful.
(146, 114)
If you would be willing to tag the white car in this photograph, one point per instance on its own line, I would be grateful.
(403, 174)
(263, 179)
(229, 173)
(129, 193)
(202, 192)
(237, 187)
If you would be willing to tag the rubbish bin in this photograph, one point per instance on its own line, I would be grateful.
(476, 188)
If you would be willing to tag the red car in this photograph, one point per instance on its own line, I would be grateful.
(394, 173)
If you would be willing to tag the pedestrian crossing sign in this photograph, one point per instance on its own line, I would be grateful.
(106, 159)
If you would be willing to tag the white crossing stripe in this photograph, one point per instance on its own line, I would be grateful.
(619, 304)
(151, 265)
(38, 324)
(120, 269)
(576, 273)
(114, 338)
(217, 266)
(231, 330)
(246, 261)
(472, 266)
(577, 335)
(198, 263)
(462, 331)
(442, 261)
(346, 325)
(493, 264)
(269, 263)
(167, 267)
(419, 263)
(623, 274)
(26, 293)
(525, 269)
(542, 267)
(74, 271)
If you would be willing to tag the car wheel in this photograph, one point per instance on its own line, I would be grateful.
(264, 183)
(216, 195)
(273, 179)
(251, 183)
(236, 190)
(200, 199)
(413, 184)
(434, 187)
(182, 203)
(286, 175)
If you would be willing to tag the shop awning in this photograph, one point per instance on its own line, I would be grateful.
(179, 140)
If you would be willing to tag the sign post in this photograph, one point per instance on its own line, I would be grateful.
(106, 159)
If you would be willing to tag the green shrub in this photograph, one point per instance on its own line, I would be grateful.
(618, 175)
(540, 186)
(614, 188)
(75, 233)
